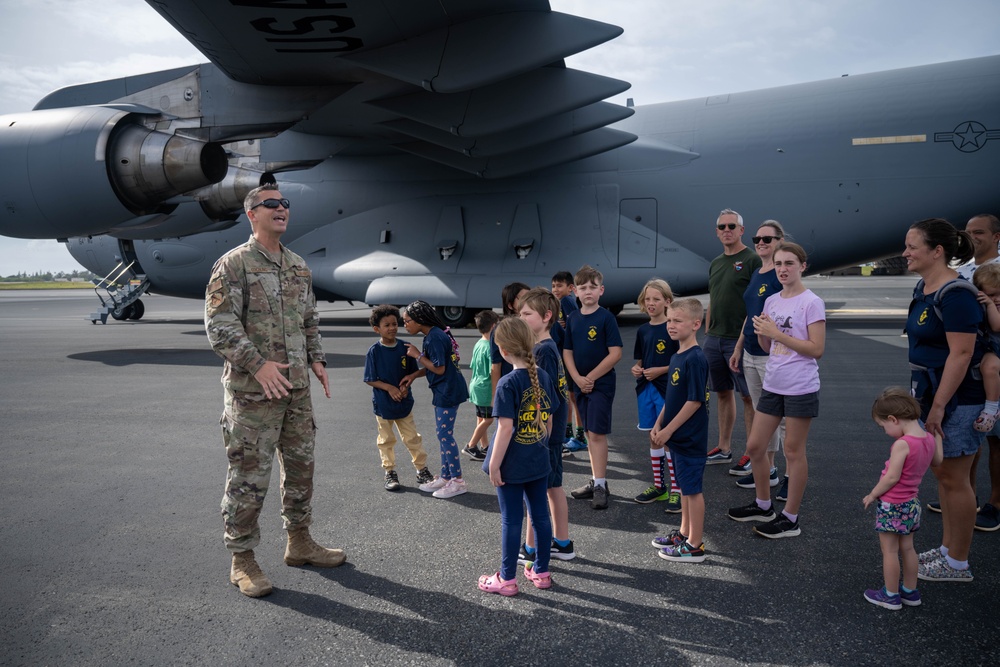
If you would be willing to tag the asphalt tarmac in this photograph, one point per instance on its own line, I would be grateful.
(111, 536)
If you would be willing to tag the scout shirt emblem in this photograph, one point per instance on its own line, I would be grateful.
(592, 333)
(675, 377)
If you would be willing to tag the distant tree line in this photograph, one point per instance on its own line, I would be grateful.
(47, 277)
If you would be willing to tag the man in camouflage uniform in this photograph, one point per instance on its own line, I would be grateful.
(260, 315)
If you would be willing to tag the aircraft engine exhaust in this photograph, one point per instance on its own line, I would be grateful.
(78, 171)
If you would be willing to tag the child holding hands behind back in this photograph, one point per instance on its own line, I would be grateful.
(518, 459)
(897, 510)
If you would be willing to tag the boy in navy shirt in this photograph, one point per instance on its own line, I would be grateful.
(562, 289)
(592, 347)
(683, 427)
(386, 364)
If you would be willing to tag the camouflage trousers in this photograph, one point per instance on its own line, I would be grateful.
(254, 429)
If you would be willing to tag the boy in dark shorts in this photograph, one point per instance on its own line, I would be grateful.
(592, 347)
(683, 428)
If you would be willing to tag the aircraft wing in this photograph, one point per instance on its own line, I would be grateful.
(478, 85)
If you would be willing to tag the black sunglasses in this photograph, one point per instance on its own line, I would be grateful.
(729, 225)
(272, 203)
(764, 239)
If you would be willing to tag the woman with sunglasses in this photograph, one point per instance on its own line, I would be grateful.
(763, 283)
(941, 329)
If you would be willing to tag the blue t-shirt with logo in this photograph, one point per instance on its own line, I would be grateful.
(389, 365)
(653, 347)
(589, 337)
(686, 381)
(567, 306)
(926, 335)
(760, 287)
(449, 388)
(527, 456)
(548, 358)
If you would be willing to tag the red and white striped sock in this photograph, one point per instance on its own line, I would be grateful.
(656, 458)
(673, 478)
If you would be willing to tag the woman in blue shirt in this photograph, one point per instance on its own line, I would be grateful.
(942, 328)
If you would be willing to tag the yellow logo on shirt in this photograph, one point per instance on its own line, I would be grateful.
(527, 432)
(762, 290)
(661, 345)
(592, 333)
(923, 317)
(675, 377)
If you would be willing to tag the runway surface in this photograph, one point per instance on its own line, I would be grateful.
(111, 536)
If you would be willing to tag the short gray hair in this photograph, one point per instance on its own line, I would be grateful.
(729, 211)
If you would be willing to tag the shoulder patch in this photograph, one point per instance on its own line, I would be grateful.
(214, 286)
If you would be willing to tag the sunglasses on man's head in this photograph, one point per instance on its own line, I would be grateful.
(272, 203)
(764, 239)
(727, 225)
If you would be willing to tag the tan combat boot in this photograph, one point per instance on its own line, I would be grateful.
(246, 574)
(302, 549)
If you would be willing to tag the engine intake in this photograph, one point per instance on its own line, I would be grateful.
(78, 171)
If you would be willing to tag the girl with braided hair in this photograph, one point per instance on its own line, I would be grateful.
(518, 459)
(438, 360)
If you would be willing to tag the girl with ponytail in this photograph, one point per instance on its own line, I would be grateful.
(518, 459)
(438, 360)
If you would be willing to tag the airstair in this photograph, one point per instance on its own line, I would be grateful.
(119, 292)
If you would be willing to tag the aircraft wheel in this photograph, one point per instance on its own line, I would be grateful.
(455, 317)
(138, 310)
(122, 313)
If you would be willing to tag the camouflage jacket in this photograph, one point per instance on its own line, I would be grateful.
(257, 310)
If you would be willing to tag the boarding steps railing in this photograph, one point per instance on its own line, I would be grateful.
(120, 299)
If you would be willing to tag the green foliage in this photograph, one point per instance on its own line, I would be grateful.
(48, 277)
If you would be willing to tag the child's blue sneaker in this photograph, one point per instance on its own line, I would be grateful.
(909, 598)
(883, 599)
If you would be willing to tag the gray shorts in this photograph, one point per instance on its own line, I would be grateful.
(720, 376)
(806, 405)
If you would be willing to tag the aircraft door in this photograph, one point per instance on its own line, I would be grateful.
(637, 233)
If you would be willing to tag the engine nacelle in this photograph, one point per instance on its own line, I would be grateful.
(78, 171)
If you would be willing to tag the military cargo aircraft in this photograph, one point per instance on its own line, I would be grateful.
(438, 149)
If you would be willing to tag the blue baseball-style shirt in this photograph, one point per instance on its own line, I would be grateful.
(449, 388)
(389, 365)
(686, 381)
(654, 348)
(760, 287)
(527, 456)
(589, 337)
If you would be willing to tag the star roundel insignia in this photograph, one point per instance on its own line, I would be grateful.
(968, 137)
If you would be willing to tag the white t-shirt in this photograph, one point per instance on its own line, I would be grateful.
(788, 372)
(967, 269)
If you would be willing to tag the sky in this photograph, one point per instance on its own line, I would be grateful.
(671, 50)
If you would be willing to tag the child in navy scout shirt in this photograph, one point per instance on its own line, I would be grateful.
(386, 364)
(683, 427)
(592, 347)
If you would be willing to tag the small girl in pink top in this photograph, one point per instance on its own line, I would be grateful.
(897, 510)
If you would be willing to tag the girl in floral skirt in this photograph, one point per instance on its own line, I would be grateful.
(897, 510)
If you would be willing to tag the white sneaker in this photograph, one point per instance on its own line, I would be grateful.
(433, 485)
(454, 487)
